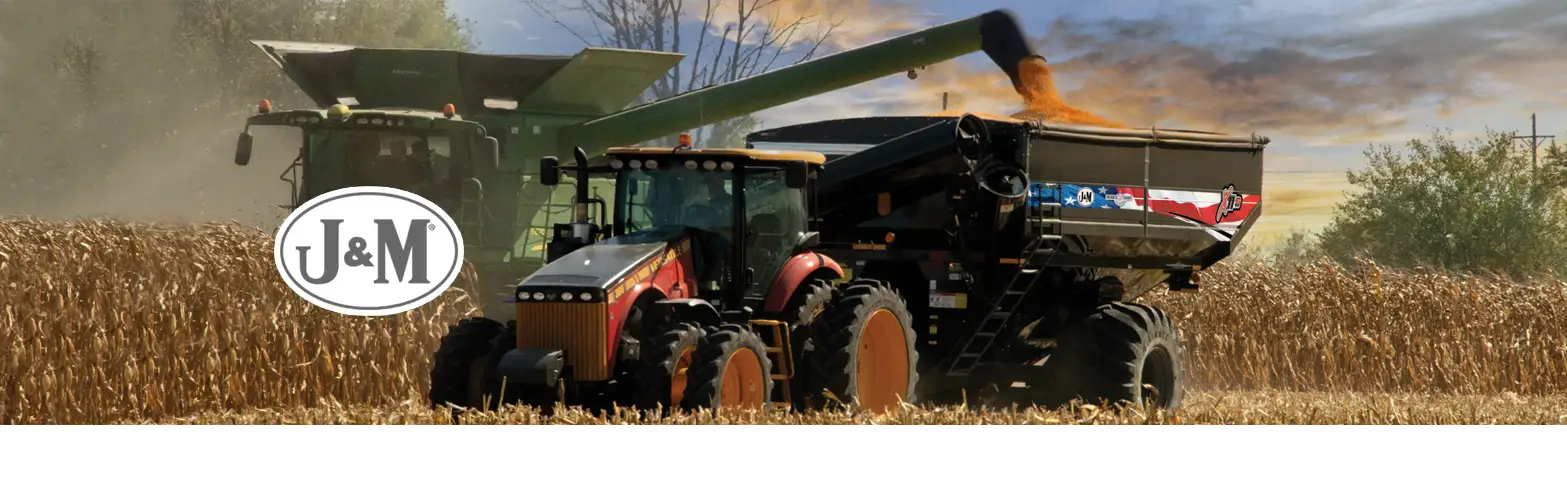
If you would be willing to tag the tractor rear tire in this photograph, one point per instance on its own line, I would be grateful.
(1123, 353)
(461, 372)
(729, 370)
(802, 314)
(661, 374)
(869, 357)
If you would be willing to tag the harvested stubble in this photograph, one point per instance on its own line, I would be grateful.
(1251, 407)
(106, 321)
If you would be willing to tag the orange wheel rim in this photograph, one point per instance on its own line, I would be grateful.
(677, 382)
(743, 381)
(883, 362)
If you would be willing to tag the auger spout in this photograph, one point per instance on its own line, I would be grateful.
(997, 33)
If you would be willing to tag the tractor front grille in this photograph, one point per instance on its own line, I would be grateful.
(581, 329)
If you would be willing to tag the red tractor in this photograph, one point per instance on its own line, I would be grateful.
(697, 287)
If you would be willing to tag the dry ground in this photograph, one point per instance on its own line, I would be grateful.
(107, 322)
(1236, 407)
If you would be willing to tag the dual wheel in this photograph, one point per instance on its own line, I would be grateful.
(853, 345)
(722, 367)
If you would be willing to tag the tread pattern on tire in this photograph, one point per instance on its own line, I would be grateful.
(658, 363)
(844, 319)
(1100, 358)
(805, 308)
(465, 342)
(704, 381)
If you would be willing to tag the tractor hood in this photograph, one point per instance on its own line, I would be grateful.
(599, 267)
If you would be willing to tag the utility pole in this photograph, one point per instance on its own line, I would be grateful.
(943, 101)
(1534, 141)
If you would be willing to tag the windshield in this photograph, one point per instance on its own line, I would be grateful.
(676, 197)
(417, 162)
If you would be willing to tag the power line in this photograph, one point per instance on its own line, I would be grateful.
(1534, 141)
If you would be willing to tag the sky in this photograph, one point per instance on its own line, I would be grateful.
(1323, 80)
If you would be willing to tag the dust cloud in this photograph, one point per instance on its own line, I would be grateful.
(110, 114)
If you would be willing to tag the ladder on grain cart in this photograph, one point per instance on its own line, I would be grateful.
(1044, 230)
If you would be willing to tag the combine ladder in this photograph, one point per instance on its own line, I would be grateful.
(1041, 248)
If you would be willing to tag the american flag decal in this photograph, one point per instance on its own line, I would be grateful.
(1223, 210)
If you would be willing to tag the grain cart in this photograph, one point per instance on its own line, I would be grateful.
(467, 130)
(1031, 241)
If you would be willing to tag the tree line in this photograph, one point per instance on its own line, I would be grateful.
(1480, 205)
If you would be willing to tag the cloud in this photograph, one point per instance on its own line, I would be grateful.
(1367, 79)
(1336, 79)
(514, 24)
(851, 22)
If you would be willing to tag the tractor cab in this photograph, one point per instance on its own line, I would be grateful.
(745, 212)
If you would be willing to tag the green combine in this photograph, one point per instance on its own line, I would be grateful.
(468, 130)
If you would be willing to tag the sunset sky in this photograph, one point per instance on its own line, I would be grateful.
(1322, 79)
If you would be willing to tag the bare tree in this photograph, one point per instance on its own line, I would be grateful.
(738, 38)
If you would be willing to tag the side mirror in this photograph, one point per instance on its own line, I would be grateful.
(242, 150)
(811, 239)
(795, 174)
(549, 171)
(487, 151)
(580, 155)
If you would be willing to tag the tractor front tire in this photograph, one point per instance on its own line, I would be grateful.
(464, 364)
(1123, 353)
(869, 357)
(661, 374)
(729, 370)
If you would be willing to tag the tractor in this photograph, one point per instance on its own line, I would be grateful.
(697, 289)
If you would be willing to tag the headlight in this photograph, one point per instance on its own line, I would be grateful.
(728, 166)
(709, 165)
(522, 296)
(616, 164)
(652, 164)
(587, 296)
(691, 164)
(567, 296)
(538, 296)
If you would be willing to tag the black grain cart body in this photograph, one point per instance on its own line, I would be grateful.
(958, 206)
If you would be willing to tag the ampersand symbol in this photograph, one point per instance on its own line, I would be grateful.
(356, 255)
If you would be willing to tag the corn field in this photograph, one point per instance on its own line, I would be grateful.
(115, 322)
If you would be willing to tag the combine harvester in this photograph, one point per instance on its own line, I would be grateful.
(374, 104)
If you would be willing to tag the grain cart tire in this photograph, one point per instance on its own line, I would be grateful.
(661, 375)
(804, 309)
(1124, 352)
(729, 370)
(464, 364)
(869, 357)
